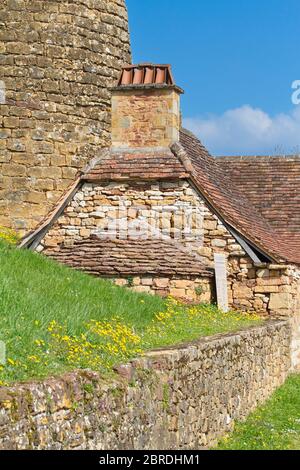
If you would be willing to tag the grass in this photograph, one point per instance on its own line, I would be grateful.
(274, 426)
(36, 292)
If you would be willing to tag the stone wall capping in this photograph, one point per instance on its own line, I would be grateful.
(274, 323)
(261, 265)
(279, 267)
(143, 87)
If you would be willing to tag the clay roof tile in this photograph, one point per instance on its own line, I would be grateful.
(146, 74)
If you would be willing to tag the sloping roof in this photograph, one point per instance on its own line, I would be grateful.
(229, 203)
(137, 164)
(272, 185)
(108, 257)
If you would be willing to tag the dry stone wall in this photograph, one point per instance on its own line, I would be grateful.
(191, 289)
(57, 61)
(183, 398)
(141, 209)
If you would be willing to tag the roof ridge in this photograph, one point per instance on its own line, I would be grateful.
(233, 158)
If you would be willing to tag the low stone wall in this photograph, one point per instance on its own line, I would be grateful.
(192, 289)
(182, 398)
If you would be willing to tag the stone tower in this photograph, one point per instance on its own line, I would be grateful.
(58, 59)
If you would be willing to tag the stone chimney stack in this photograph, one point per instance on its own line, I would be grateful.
(145, 108)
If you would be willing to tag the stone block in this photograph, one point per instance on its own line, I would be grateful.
(181, 284)
(258, 304)
(136, 281)
(147, 281)
(263, 273)
(242, 291)
(85, 233)
(205, 251)
(161, 283)
(36, 197)
(279, 301)
(121, 282)
(286, 288)
(219, 243)
(269, 281)
(209, 224)
(266, 289)
(178, 293)
(142, 289)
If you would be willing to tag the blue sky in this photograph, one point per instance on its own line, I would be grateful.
(236, 60)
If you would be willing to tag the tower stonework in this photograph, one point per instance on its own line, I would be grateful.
(58, 59)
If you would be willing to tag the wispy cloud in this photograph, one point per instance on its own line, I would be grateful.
(248, 130)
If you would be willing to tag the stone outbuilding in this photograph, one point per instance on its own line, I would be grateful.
(153, 210)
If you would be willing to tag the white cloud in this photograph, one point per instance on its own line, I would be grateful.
(248, 130)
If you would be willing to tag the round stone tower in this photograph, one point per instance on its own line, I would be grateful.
(58, 59)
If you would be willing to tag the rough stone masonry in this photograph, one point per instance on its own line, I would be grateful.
(57, 62)
(183, 398)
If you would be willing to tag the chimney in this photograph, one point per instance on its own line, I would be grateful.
(145, 108)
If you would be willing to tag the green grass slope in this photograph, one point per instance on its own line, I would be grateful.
(35, 291)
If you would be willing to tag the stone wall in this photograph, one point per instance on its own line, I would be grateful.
(183, 398)
(175, 209)
(187, 288)
(273, 289)
(145, 118)
(57, 60)
(295, 344)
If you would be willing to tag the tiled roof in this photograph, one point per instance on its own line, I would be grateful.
(229, 203)
(137, 164)
(107, 257)
(272, 186)
(146, 74)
